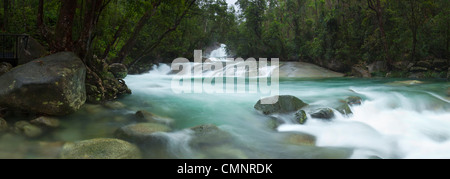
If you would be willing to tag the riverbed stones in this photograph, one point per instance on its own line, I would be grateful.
(101, 148)
(26, 129)
(141, 132)
(300, 117)
(53, 85)
(206, 135)
(145, 116)
(279, 104)
(47, 122)
(323, 113)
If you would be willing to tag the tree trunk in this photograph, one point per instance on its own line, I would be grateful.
(126, 49)
(379, 12)
(62, 40)
(5, 15)
(92, 11)
(113, 41)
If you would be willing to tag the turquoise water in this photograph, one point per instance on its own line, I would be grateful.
(396, 120)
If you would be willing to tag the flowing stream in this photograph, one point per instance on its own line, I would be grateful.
(397, 119)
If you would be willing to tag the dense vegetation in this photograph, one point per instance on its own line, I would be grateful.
(337, 34)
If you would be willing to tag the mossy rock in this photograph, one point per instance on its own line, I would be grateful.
(323, 113)
(301, 139)
(206, 135)
(344, 109)
(279, 104)
(101, 148)
(300, 117)
(353, 100)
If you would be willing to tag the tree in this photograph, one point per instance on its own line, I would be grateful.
(376, 6)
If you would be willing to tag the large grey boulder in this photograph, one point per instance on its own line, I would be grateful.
(281, 104)
(52, 85)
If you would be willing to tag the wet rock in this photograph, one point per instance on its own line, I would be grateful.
(115, 105)
(3, 125)
(46, 122)
(408, 82)
(53, 85)
(141, 132)
(300, 117)
(323, 113)
(145, 116)
(93, 108)
(344, 109)
(5, 67)
(360, 72)
(119, 70)
(281, 104)
(301, 139)
(206, 135)
(26, 129)
(100, 148)
(353, 100)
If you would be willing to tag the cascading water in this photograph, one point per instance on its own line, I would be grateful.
(219, 54)
(394, 121)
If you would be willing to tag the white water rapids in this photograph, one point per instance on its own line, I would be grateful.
(393, 121)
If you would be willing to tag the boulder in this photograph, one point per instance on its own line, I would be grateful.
(140, 132)
(360, 72)
(323, 113)
(415, 69)
(353, 100)
(32, 50)
(3, 125)
(5, 67)
(301, 139)
(100, 149)
(52, 85)
(46, 122)
(26, 129)
(206, 135)
(145, 116)
(300, 117)
(281, 104)
(119, 70)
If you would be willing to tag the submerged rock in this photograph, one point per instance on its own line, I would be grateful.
(47, 122)
(281, 104)
(26, 129)
(407, 82)
(205, 135)
(323, 113)
(300, 117)
(115, 105)
(100, 149)
(301, 139)
(140, 132)
(145, 116)
(3, 125)
(52, 85)
(119, 70)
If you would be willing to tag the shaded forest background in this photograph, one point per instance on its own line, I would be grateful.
(337, 34)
